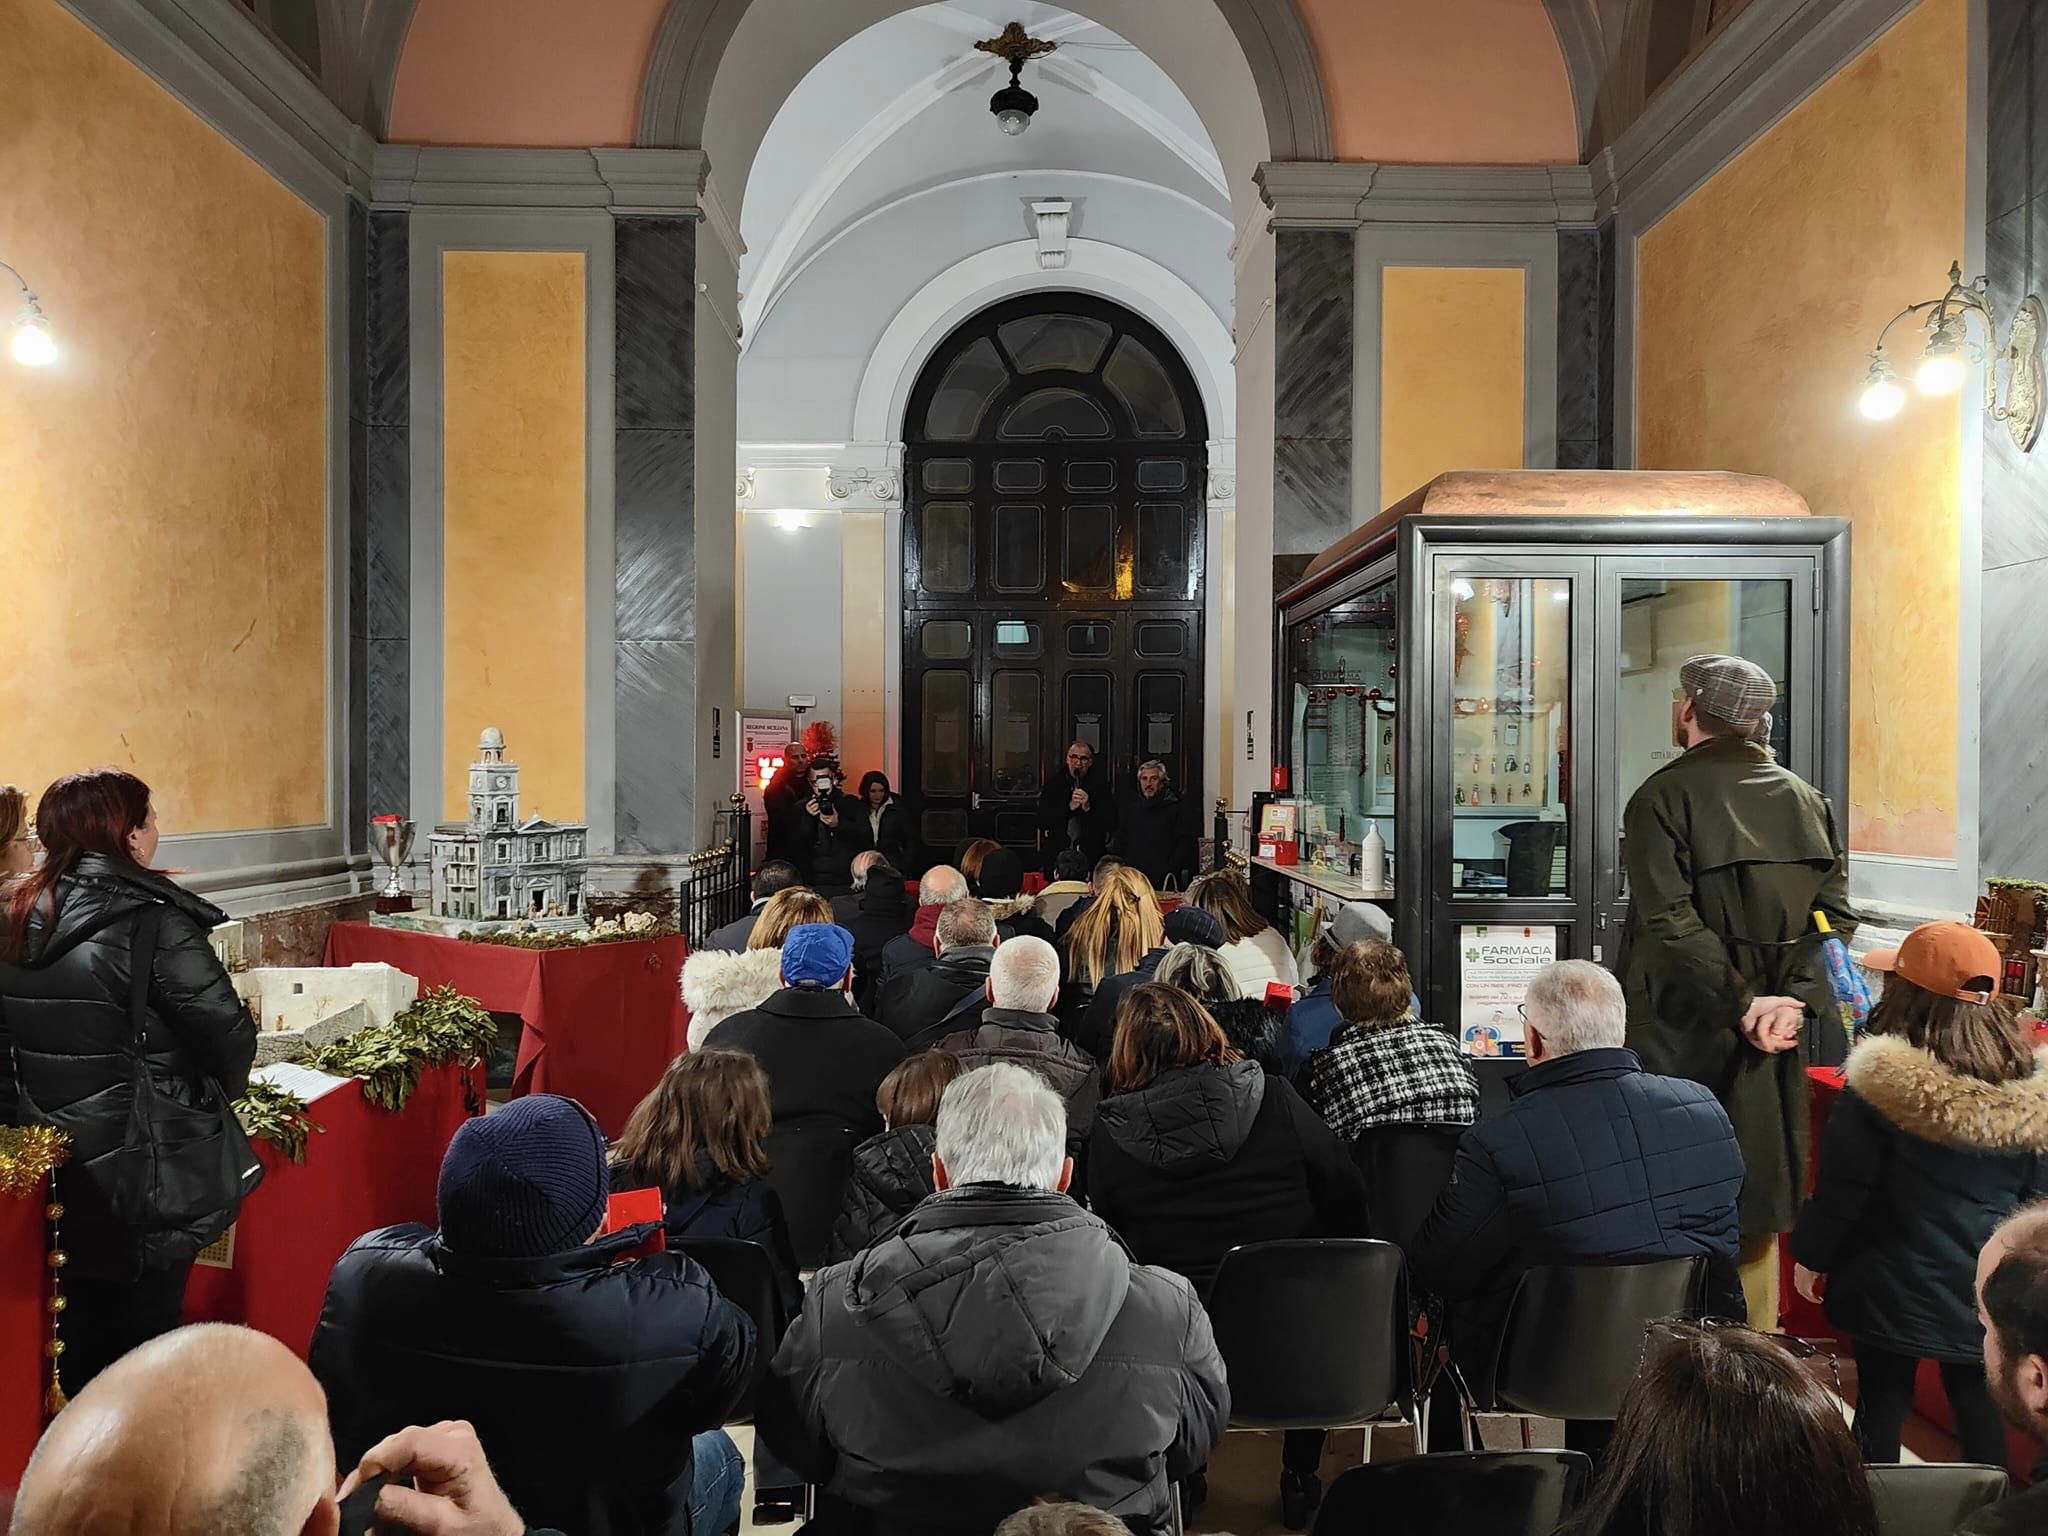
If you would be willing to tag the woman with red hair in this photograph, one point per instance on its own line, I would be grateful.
(120, 1027)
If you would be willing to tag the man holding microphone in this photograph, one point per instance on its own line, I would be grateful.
(1076, 809)
(1728, 856)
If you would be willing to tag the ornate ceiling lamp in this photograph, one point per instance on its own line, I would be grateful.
(1013, 105)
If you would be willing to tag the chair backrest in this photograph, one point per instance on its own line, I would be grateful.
(808, 1166)
(1313, 1331)
(1406, 1167)
(1574, 1333)
(745, 1276)
(1932, 1498)
(1469, 1493)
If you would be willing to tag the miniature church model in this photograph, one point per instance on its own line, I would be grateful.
(497, 866)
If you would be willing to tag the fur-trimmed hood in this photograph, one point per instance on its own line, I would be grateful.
(720, 983)
(1003, 908)
(1925, 1098)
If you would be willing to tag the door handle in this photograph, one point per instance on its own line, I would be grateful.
(974, 800)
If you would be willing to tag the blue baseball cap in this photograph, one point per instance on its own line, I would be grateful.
(816, 955)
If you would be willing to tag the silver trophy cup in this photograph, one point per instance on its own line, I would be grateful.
(392, 841)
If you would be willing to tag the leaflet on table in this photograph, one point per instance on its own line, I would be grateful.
(1496, 963)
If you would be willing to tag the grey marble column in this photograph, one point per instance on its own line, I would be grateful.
(1582, 361)
(655, 530)
(1314, 339)
(2012, 806)
(380, 516)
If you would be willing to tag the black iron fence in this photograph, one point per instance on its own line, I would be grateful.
(714, 891)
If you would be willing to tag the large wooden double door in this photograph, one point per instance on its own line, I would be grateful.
(1053, 563)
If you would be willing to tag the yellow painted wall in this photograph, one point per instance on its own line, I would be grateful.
(1758, 299)
(514, 507)
(1451, 373)
(865, 587)
(163, 493)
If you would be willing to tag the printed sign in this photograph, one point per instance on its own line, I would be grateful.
(1496, 963)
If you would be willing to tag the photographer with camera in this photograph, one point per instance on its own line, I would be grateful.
(837, 829)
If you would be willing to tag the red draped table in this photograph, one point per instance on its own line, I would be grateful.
(24, 1372)
(1805, 1320)
(602, 1021)
(369, 1168)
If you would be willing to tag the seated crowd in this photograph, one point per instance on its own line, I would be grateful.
(1014, 1140)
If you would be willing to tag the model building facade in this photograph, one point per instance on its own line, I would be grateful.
(497, 865)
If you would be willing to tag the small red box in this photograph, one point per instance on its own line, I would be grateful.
(1279, 851)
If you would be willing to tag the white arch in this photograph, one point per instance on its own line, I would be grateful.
(1005, 271)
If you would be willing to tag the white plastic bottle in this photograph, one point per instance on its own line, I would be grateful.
(1372, 859)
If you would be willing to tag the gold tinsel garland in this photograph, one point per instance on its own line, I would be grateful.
(29, 1154)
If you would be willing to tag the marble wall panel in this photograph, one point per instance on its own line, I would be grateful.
(1315, 322)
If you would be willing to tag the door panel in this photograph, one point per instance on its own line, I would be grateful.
(1053, 562)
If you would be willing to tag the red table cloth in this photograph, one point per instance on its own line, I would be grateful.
(1805, 1320)
(602, 1021)
(24, 1371)
(368, 1169)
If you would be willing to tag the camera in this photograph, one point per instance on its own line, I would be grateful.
(824, 784)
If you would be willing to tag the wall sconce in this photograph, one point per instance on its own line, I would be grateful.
(1945, 359)
(1013, 105)
(32, 344)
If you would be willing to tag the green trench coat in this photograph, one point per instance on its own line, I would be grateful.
(1728, 857)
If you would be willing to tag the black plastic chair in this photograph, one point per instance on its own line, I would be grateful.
(1573, 1338)
(1932, 1498)
(1469, 1493)
(808, 1166)
(1406, 1167)
(1314, 1332)
(745, 1276)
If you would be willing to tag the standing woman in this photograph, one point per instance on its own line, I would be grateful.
(1941, 1133)
(888, 823)
(119, 1027)
(17, 843)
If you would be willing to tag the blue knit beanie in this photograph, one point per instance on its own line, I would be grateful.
(525, 1180)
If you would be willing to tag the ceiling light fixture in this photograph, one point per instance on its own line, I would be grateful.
(1013, 105)
(1945, 359)
(32, 344)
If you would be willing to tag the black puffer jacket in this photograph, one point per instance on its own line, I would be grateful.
(891, 1177)
(1918, 1164)
(1206, 1157)
(66, 1059)
(1002, 1345)
(716, 1205)
(1156, 834)
(585, 1376)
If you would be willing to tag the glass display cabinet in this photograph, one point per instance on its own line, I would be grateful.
(1486, 672)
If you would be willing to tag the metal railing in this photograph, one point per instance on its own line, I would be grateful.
(714, 888)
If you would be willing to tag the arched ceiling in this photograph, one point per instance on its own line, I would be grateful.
(1450, 81)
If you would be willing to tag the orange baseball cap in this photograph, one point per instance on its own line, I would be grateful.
(1947, 959)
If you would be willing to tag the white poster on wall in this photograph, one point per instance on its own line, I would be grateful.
(763, 740)
(1496, 962)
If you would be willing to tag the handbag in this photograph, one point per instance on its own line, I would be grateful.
(184, 1168)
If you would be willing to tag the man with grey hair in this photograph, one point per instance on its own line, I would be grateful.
(922, 1004)
(1018, 1025)
(1001, 1345)
(1156, 831)
(941, 886)
(1594, 1161)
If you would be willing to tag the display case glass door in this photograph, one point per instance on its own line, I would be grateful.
(1550, 701)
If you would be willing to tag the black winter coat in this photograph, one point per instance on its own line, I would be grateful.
(874, 915)
(585, 1376)
(1060, 828)
(892, 837)
(788, 824)
(1595, 1160)
(1033, 1040)
(1156, 833)
(892, 1176)
(1001, 1345)
(823, 1059)
(831, 849)
(66, 1058)
(1207, 1157)
(1918, 1164)
(719, 1206)
(1095, 1031)
(921, 1005)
